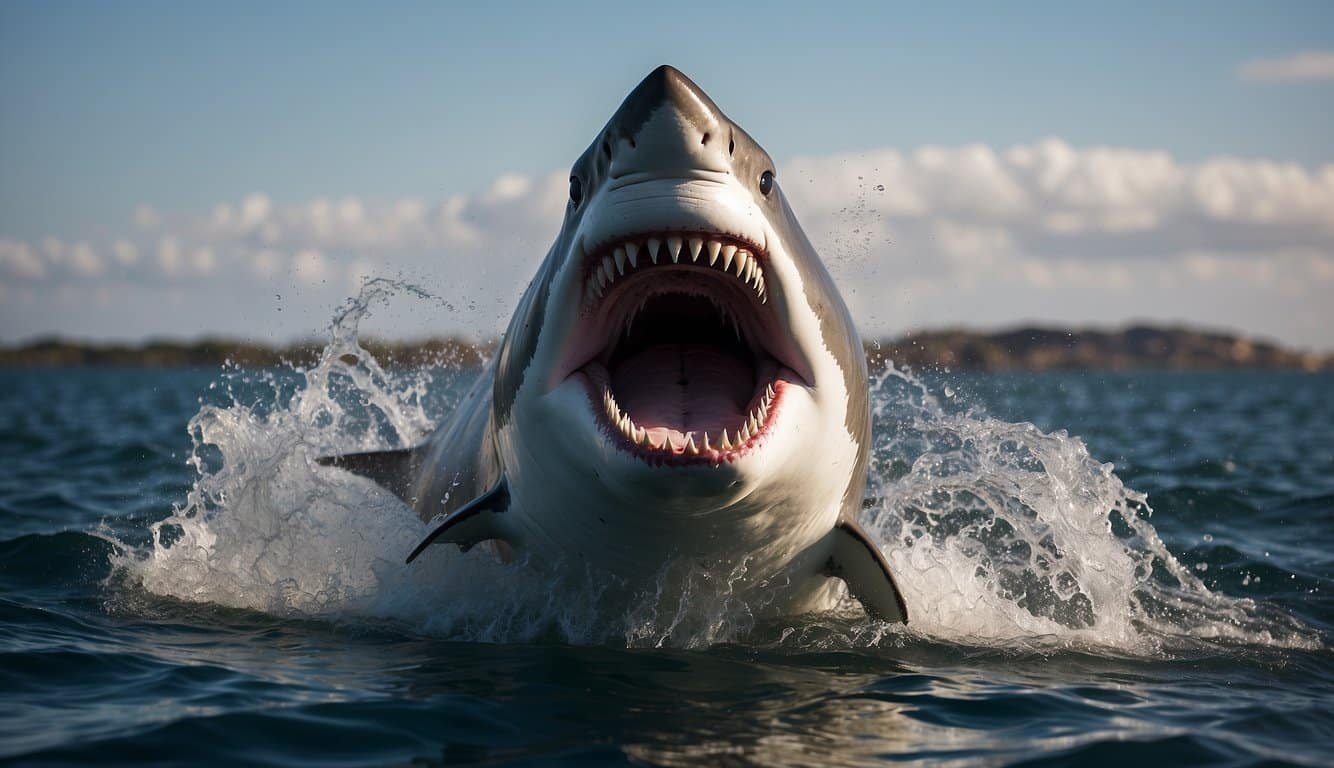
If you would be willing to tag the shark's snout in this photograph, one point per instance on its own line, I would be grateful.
(667, 126)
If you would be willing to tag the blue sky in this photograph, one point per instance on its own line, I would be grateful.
(110, 110)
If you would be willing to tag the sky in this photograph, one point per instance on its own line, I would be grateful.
(175, 170)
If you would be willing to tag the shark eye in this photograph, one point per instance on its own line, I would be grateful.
(576, 191)
(766, 183)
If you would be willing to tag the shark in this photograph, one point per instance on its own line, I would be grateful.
(680, 379)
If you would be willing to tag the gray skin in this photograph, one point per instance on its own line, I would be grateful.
(472, 468)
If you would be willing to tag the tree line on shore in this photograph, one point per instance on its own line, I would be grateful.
(1030, 348)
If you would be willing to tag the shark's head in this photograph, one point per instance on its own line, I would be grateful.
(682, 343)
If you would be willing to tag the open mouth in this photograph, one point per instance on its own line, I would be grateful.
(679, 348)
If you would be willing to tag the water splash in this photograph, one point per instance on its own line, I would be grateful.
(1000, 535)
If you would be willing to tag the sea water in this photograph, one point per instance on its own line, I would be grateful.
(1099, 568)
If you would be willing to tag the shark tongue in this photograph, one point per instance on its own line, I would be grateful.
(680, 388)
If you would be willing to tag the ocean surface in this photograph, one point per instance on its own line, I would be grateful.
(1101, 568)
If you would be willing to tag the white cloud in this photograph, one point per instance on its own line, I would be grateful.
(146, 218)
(85, 261)
(309, 266)
(1053, 186)
(54, 250)
(169, 255)
(203, 260)
(1302, 66)
(20, 260)
(358, 272)
(936, 235)
(264, 264)
(126, 253)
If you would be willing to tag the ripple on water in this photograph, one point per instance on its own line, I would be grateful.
(1060, 613)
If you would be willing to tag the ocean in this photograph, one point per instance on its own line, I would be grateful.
(1101, 568)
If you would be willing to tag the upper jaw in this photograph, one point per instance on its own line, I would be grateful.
(608, 263)
(665, 205)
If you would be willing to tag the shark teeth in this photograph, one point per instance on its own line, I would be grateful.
(624, 258)
(695, 443)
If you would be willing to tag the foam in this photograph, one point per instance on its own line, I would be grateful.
(1000, 535)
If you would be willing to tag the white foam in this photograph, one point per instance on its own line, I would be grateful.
(999, 534)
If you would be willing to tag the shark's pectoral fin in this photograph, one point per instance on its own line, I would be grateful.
(856, 560)
(391, 470)
(477, 521)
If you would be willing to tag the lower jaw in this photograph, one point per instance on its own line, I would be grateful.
(677, 450)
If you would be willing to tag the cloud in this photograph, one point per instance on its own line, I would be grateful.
(85, 261)
(21, 260)
(936, 235)
(1299, 67)
(310, 267)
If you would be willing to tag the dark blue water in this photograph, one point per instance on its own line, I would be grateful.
(1059, 615)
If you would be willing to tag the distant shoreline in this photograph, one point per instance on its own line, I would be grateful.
(1020, 349)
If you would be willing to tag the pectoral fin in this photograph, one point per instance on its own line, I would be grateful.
(391, 470)
(859, 563)
(477, 521)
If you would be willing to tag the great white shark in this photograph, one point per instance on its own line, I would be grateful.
(680, 379)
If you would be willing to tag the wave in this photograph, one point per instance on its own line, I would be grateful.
(1001, 535)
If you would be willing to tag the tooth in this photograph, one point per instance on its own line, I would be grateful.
(754, 424)
(750, 271)
(728, 252)
(690, 444)
(641, 435)
(743, 435)
(727, 445)
(608, 268)
(652, 246)
(695, 244)
(739, 442)
(619, 255)
(631, 251)
(674, 248)
(740, 264)
(713, 247)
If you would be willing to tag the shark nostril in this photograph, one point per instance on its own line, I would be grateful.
(731, 146)
(606, 149)
(704, 140)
